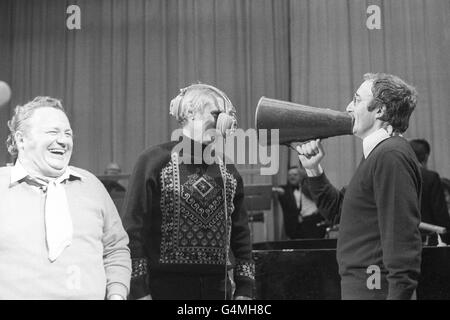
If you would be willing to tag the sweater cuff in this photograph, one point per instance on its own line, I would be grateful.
(139, 287)
(139, 278)
(244, 276)
(244, 287)
(318, 180)
(117, 288)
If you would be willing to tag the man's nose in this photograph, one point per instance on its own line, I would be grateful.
(62, 139)
(350, 107)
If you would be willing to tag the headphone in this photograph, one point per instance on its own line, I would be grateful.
(226, 121)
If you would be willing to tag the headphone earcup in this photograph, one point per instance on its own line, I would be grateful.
(225, 122)
(175, 107)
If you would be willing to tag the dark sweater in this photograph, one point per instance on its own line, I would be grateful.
(433, 206)
(181, 227)
(379, 222)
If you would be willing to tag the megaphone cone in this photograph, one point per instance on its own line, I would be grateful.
(299, 123)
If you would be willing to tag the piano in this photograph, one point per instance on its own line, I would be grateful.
(307, 270)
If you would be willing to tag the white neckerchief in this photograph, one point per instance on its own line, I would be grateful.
(58, 221)
(373, 139)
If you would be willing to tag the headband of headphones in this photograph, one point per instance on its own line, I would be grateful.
(176, 103)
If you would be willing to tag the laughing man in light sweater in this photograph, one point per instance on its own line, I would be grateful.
(60, 234)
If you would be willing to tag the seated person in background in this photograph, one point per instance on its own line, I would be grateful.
(112, 185)
(446, 186)
(433, 208)
(302, 219)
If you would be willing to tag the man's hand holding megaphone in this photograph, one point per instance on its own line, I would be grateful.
(310, 155)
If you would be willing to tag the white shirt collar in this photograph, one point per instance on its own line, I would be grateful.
(373, 139)
(18, 172)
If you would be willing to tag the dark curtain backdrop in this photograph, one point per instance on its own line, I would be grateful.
(118, 73)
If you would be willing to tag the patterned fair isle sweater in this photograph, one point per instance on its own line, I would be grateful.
(175, 218)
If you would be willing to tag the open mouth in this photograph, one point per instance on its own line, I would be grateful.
(58, 152)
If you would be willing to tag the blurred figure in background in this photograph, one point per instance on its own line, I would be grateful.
(301, 217)
(112, 184)
(446, 186)
(433, 206)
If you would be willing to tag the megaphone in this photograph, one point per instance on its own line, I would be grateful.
(299, 123)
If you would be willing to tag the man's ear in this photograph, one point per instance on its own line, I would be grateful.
(381, 111)
(19, 138)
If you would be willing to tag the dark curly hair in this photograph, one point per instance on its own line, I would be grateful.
(421, 148)
(398, 98)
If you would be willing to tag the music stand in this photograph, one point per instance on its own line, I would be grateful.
(257, 198)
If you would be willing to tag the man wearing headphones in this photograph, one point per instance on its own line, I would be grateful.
(183, 239)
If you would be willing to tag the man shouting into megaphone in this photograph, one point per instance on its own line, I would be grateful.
(380, 211)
